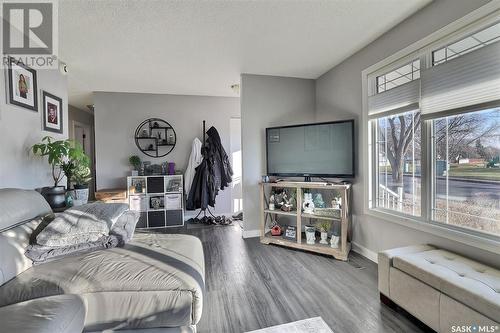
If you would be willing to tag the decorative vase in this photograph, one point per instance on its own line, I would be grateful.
(324, 238)
(308, 204)
(55, 196)
(334, 242)
(69, 198)
(310, 234)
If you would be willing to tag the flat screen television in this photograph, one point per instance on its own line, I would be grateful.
(311, 150)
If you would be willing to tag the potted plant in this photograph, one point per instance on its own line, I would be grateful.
(324, 226)
(56, 152)
(81, 178)
(76, 157)
(135, 162)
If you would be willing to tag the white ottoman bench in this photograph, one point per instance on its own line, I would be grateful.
(440, 288)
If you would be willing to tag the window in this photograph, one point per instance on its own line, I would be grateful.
(434, 132)
(399, 76)
(468, 44)
(398, 162)
(466, 178)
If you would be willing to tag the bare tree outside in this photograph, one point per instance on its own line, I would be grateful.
(467, 164)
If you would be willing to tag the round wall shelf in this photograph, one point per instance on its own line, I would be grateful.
(155, 137)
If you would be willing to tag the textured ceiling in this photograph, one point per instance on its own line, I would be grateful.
(201, 47)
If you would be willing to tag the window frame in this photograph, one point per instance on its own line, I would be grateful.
(422, 49)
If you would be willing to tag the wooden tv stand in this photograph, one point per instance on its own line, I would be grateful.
(339, 190)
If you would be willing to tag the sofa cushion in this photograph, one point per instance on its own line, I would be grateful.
(13, 243)
(149, 263)
(18, 206)
(463, 279)
(61, 314)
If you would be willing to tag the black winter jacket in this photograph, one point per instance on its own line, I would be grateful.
(213, 174)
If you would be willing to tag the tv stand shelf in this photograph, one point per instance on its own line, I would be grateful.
(301, 218)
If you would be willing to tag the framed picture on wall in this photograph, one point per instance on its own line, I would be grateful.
(22, 85)
(52, 113)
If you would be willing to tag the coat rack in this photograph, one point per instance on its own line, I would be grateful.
(211, 218)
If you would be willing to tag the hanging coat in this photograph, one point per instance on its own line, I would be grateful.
(194, 160)
(213, 174)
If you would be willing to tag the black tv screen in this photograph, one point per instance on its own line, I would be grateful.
(311, 150)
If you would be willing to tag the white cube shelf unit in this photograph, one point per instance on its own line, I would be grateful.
(158, 199)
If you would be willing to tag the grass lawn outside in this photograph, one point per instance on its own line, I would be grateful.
(473, 171)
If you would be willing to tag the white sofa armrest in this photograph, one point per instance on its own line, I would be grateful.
(385, 263)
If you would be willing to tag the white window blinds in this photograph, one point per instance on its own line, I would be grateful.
(467, 81)
(396, 100)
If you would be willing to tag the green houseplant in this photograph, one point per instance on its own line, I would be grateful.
(135, 162)
(63, 156)
(324, 226)
(56, 152)
(76, 159)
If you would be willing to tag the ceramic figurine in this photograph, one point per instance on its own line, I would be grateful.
(318, 201)
(271, 202)
(286, 206)
(337, 203)
(276, 230)
(334, 242)
(308, 204)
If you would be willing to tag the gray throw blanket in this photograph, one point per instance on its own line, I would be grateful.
(75, 241)
(82, 224)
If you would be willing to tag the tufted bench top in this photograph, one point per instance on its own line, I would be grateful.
(463, 279)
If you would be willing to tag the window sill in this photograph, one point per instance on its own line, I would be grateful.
(444, 231)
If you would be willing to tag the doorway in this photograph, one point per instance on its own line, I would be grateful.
(236, 185)
(84, 135)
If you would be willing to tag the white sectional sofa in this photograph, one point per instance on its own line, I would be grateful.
(444, 290)
(154, 283)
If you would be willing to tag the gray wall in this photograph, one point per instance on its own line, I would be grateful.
(20, 128)
(117, 116)
(267, 101)
(339, 96)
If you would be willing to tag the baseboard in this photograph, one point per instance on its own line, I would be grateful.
(365, 252)
(251, 233)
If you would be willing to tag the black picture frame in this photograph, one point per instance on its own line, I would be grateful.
(52, 122)
(289, 231)
(17, 100)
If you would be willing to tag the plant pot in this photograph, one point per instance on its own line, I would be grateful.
(324, 238)
(310, 234)
(55, 196)
(81, 195)
(135, 173)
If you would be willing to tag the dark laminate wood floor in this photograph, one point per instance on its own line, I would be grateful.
(251, 286)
